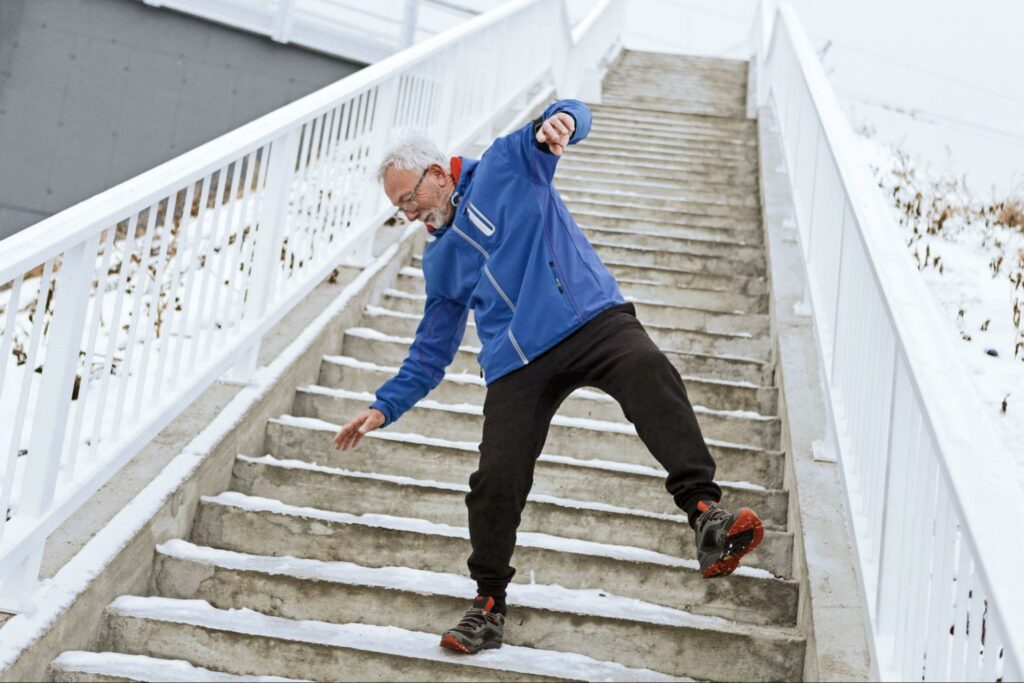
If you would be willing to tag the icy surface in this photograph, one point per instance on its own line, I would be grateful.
(448, 486)
(381, 639)
(524, 539)
(596, 601)
(142, 668)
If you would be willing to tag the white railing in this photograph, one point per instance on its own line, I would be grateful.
(116, 313)
(932, 500)
(352, 29)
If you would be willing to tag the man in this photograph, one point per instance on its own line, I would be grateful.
(551, 319)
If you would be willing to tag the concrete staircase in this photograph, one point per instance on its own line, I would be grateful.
(346, 566)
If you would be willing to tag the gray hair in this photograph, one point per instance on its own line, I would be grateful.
(414, 153)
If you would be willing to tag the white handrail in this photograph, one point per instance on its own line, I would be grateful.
(930, 494)
(134, 301)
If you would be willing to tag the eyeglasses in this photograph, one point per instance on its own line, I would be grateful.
(408, 203)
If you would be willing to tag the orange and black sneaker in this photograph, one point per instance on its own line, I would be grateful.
(723, 538)
(481, 628)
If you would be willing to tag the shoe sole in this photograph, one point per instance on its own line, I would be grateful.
(745, 534)
(451, 642)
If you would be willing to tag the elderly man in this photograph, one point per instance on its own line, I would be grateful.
(551, 319)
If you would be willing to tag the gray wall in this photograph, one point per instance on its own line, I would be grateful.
(93, 92)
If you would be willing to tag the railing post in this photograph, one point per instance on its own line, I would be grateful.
(408, 35)
(283, 22)
(360, 252)
(265, 262)
(46, 442)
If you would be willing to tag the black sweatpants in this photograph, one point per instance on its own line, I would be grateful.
(611, 352)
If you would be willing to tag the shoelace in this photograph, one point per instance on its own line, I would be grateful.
(473, 618)
(712, 514)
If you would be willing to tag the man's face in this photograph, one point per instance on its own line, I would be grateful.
(419, 195)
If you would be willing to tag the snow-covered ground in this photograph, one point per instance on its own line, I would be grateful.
(970, 252)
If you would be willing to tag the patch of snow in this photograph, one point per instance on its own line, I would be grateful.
(421, 526)
(460, 488)
(595, 602)
(369, 333)
(399, 294)
(377, 311)
(382, 639)
(142, 668)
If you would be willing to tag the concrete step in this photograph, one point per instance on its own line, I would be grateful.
(625, 136)
(683, 93)
(116, 666)
(674, 121)
(743, 184)
(366, 491)
(670, 277)
(744, 248)
(246, 642)
(400, 313)
(696, 86)
(667, 64)
(596, 185)
(681, 62)
(368, 344)
(231, 521)
(737, 224)
(670, 199)
(660, 223)
(690, 263)
(640, 126)
(411, 280)
(667, 151)
(705, 167)
(682, 106)
(604, 626)
(691, 87)
(342, 372)
(677, 157)
(572, 437)
(413, 455)
(741, 344)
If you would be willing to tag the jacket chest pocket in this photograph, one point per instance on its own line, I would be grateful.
(479, 220)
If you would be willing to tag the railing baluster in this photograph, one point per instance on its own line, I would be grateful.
(72, 444)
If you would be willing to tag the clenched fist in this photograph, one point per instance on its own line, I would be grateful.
(556, 132)
(352, 433)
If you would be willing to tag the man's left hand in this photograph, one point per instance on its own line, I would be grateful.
(556, 132)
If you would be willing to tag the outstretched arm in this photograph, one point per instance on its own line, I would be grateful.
(537, 146)
(437, 339)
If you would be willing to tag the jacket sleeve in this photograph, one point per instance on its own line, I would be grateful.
(437, 339)
(523, 151)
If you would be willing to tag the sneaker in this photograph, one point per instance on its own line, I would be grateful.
(480, 629)
(723, 538)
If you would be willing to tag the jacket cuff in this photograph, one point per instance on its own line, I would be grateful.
(383, 407)
(539, 121)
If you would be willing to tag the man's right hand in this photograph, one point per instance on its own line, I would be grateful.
(352, 433)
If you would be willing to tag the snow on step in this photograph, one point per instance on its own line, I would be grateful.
(419, 439)
(460, 488)
(380, 639)
(592, 601)
(422, 526)
(143, 668)
(626, 428)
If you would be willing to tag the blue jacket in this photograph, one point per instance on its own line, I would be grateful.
(514, 255)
